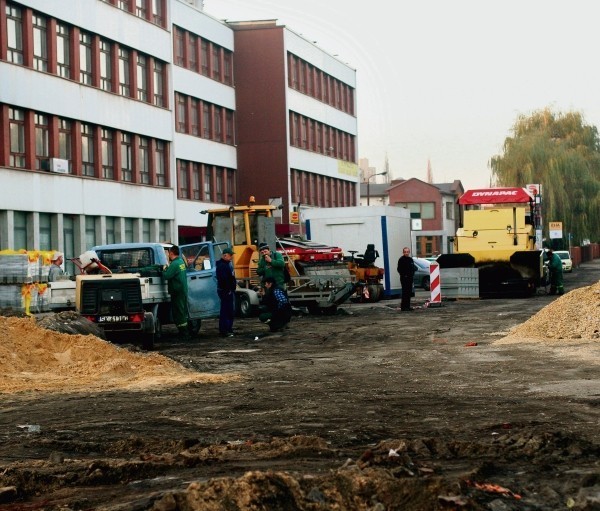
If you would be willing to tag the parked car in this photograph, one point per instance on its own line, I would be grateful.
(566, 260)
(421, 277)
(565, 256)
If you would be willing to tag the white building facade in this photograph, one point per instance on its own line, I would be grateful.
(91, 139)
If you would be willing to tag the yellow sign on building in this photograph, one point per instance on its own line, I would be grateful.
(347, 168)
(294, 217)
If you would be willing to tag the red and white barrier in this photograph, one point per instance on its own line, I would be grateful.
(435, 285)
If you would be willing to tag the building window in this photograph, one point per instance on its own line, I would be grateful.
(193, 52)
(90, 231)
(14, 29)
(126, 159)
(180, 113)
(142, 78)
(40, 43)
(230, 187)
(196, 179)
(123, 5)
(87, 150)
(157, 12)
(161, 164)
(162, 229)
(158, 84)
(144, 160)
(16, 121)
(293, 71)
(304, 133)
(204, 57)
(206, 124)
(41, 142)
(318, 137)
(124, 77)
(179, 41)
(85, 58)
(45, 232)
(63, 51)
(302, 76)
(20, 230)
(218, 124)
(108, 169)
(229, 127)
(129, 230)
(65, 141)
(146, 233)
(195, 117)
(182, 178)
(110, 230)
(216, 62)
(140, 8)
(227, 67)
(106, 65)
(219, 185)
(207, 183)
(424, 210)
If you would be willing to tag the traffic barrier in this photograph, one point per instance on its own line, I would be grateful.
(435, 285)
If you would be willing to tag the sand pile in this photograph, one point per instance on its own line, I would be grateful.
(575, 315)
(32, 358)
(568, 328)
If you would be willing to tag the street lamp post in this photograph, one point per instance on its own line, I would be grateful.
(369, 186)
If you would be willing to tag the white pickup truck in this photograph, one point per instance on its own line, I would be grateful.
(134, 296)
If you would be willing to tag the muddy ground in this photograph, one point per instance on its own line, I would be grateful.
(371, 409)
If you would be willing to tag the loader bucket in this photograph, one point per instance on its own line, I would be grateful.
(456, 261)
(529, 264)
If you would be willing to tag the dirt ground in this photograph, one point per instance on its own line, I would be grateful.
(474, 405)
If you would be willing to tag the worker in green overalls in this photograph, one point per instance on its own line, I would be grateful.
(556, 273)
(178, 289)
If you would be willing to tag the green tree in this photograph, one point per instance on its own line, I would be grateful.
(562, 153)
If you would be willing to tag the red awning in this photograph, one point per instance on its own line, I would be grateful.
(495, 196)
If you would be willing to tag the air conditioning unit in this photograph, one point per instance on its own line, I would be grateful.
(59, 165)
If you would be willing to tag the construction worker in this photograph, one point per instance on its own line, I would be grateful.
(555, 271)
(277, 311)
(226, 284)
(56, 270)
(406, 269)
(176, 277)
(271, 264)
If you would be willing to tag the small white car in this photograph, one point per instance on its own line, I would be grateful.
(565, 257)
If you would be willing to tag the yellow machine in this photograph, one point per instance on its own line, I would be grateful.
(498, 238)
(317, 286)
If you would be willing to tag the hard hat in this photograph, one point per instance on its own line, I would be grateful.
(56, 255)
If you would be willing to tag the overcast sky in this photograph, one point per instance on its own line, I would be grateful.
(445, 80)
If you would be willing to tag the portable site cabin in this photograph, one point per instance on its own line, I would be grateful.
(353, 228)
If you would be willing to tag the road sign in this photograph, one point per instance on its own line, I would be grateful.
(555, 230)
(294, 217)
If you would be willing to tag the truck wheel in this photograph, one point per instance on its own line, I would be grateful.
(148, 341)
(374, 293)
(244, 306)
(314, 310)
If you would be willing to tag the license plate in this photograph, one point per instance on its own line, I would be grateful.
(112, 319)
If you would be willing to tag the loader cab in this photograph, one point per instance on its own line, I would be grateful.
(243, 227)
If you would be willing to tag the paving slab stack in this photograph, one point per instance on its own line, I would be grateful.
(24, 280)
(459, 283)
